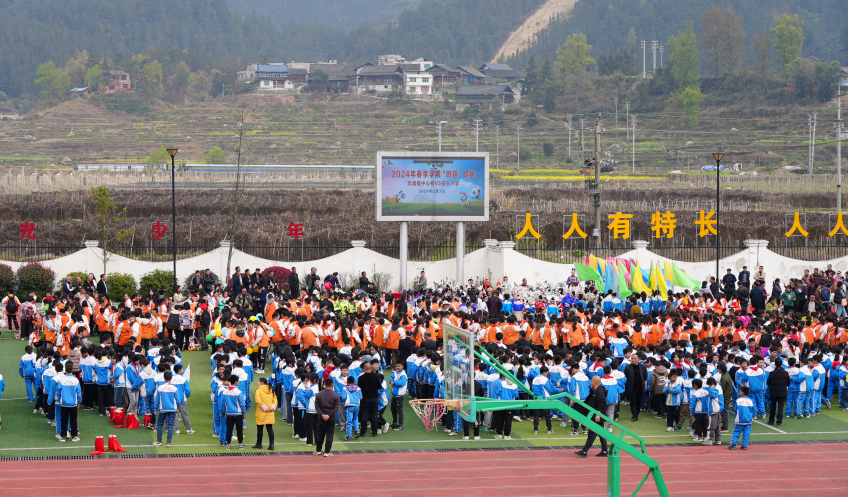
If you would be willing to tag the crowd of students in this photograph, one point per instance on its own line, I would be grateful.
(687, 358)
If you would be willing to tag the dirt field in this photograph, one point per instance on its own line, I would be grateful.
(521, 38)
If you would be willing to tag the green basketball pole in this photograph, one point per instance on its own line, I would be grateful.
(617, 441)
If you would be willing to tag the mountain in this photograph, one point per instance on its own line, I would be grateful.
(606, 24)
(344, 14)
(33, 32)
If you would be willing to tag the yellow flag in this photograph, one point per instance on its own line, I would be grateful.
(669, 273)
(636, 278)
(662, 286)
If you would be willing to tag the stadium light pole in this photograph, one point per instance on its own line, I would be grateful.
(718, 156)
(173, 152)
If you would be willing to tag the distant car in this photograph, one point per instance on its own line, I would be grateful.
(585, 171)
(607, 169)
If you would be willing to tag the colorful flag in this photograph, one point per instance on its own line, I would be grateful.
(684, 280)
(586, 273)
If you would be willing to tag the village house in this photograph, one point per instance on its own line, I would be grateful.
(444, 75)
(486, 96)
(471, 76)
(273, 77)
(500, 71)
(118, 80)
(78, 92)
(380, 78)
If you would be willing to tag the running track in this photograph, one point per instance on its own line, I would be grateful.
(782, 470)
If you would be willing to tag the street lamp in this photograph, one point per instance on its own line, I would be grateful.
(172, 152)
(718, 156)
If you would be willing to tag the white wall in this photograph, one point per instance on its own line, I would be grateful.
(495, 260)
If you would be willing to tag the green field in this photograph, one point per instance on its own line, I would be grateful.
(27, 434)
(475, 208)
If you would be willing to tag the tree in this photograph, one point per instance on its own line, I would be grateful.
(532, 119)
(239, 191)
(108, 219)
(548, 149)
(687, 102)
(52, 81)
(631, 38)
(178, 82)
(761, 50)
(215, 156)
(159, 156)
(684, 59)
(94, 77)
(788, 38)
(319, 77)
(574, 62)
(149, 79)
(530, 76)
(723, 39)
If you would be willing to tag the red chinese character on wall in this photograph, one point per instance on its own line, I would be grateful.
(27, 230)
(158, 230)
(295, 230)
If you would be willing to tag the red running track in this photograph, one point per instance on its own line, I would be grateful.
(780, 470)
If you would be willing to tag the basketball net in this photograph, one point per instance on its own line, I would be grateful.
(429, 410)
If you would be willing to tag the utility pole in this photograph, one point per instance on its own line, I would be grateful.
(477, 129)
(627, 128)
(654, 45)
(598, 183)
(582, 148)
(813, 146)
(643, 59)
(633, 152)
(569, 135)
(439, 125)
(662, 48)
(615, 99)
(810, 144)
(839, 149)
(497, 146)
(518, 130)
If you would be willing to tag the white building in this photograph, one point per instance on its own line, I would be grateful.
(389, 60)
(418, 82)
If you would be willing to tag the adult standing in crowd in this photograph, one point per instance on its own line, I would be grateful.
(326, 407)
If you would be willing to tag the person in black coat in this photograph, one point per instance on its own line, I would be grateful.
(294, 283)
(636, 374)
(597, 399)
(313, 281)
(102, 289)
(778, 384)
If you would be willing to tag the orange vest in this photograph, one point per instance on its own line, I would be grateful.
(307, 336)
(575, 336)
(394, 339)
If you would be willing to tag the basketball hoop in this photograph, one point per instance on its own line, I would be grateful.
(429, 410)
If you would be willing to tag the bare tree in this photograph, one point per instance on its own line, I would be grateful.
(723, 40)
(761, 50)
(238, 194)
(108, 218)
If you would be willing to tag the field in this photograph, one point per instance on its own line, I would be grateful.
(25, 434)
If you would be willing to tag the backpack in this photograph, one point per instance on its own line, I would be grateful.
(825, 294)
(29, 313)
(12, 305)
(185, 320)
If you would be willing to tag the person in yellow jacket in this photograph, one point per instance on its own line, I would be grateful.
(266, 404)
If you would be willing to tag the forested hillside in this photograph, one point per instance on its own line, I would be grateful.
(344, 14)
(607, 24)
(33, 32)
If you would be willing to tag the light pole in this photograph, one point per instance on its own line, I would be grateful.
(172, 152)
(439, 124)
(718, 156)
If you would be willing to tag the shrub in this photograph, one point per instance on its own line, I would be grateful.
(548, 149)
(281, 274)
(120, 284)
(7, 279)
(156, 280)
(35, 277)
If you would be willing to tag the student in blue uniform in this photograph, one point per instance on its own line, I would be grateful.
(166, 403)
(26, 368)
(744, 418)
